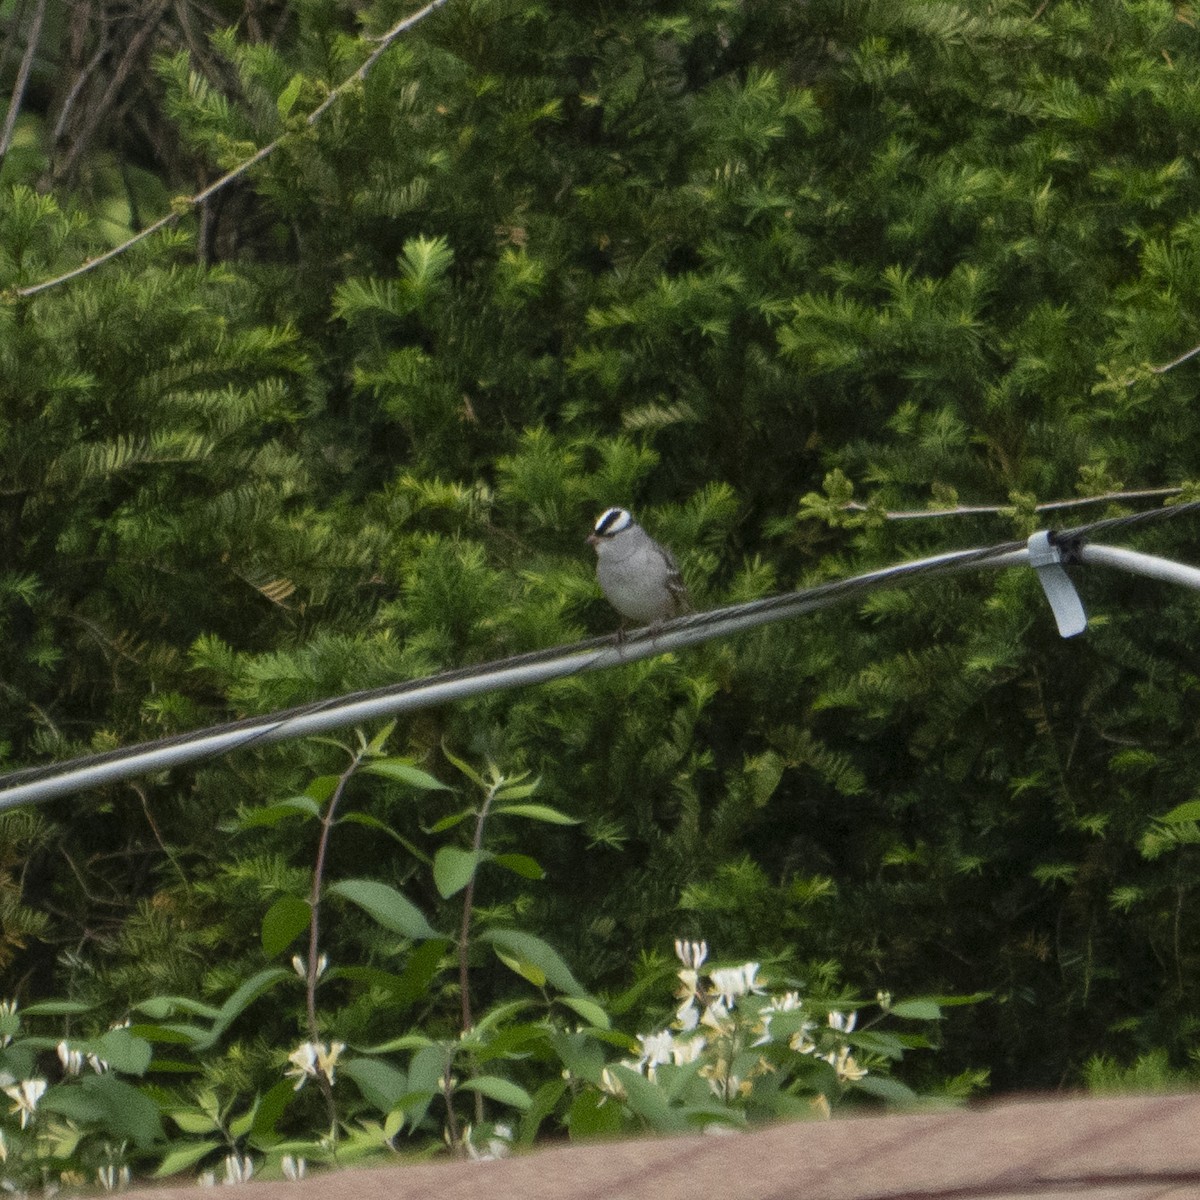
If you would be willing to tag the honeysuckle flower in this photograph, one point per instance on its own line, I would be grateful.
(884, 1000)
(687, 1050)
(304, 1064)
(238, 1169)
(72, 1060)
(26, 1094)
(97, 1064)
(497, 1146)
(716, 1015)
(787, 1002)
(691, 954)
(688, 1015)
(844, 1063)
(842, 1022)
(3, 1147)
(725, 1085)
(293, 1168)
(112, 1178)
(8, 1008)
(611, 1085)
(311, 1059)
(802, 1040)
(732, 982)
(301, 969)
(656, 1048)
(206, 1179)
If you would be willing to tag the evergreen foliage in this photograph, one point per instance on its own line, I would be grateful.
(764, 272)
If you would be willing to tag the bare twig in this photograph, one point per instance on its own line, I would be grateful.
(186, 205)
(158, 837)
(80, 80)
(99, 110)
(1162, 370)
(966, 510)
(22, 81)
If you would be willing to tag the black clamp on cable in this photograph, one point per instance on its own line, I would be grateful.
(1046, 557)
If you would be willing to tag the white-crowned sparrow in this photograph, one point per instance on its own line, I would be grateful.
(639, 577)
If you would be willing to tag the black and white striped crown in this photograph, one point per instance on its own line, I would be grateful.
(611, 521)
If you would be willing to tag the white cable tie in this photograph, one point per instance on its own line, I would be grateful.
(1046, 559)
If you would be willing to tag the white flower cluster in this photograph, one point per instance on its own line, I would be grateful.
(709, 1024)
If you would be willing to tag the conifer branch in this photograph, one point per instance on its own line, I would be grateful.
(186, 205)
(966, 510)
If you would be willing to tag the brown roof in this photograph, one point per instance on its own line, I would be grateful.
(1112, 1148)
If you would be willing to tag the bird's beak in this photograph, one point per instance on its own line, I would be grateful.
(593, 540)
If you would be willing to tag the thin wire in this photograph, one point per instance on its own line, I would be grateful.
(590, 654)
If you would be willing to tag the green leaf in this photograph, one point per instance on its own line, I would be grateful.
(403, 771)
(425, 1071)
(520, 864)
(449, 822)
(497, 1016)
(648, 1101)
(381, 1084)
(501, 1090)
(118, 1107)
(466, 769)
(386, 906)
(269, 1110)
(183, 1156)
(594, 1115)
(526, 970)
(453, 869)
(289, 95)
(159, 1008)
(357, 818)
(407, 1041)
(271, 814)
(545, 1101)
(240, 1000)
(322, 787)
(535, 812)
(123, 1050)
(532, 951)
(192, 1120)
(885, 1088)
(517, 791)
(404, 989)
(1187, 811)
(55, 1008)
(917, 1010)
(588, 1009)
(285, 920)
(161, 1034)
(240, 1126)
(376, 744)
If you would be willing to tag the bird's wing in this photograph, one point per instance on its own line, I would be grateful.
(675, 585)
